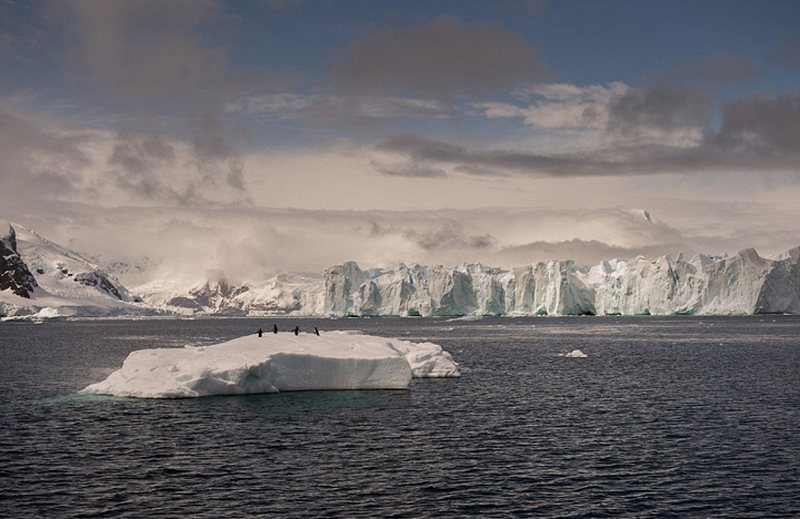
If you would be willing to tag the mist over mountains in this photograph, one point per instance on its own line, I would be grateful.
(43, 279)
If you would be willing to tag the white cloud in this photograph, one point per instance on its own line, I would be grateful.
(558, 105)
(294, 106)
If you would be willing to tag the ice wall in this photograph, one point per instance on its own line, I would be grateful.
(737, 285)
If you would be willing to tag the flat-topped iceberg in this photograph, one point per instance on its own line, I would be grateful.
(277, 362)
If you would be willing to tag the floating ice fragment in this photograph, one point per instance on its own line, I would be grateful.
(574, 354)
(273, 363)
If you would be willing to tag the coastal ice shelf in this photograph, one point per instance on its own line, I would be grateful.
(277, 362)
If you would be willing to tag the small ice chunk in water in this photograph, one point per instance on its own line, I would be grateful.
(574, 354)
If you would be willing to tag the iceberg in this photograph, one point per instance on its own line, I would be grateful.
(574, 354)
(275, 363)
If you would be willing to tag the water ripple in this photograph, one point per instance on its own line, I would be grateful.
(666, 417)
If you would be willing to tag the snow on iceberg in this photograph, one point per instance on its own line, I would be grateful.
(274, 363)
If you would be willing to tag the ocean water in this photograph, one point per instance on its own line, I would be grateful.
(666, 417)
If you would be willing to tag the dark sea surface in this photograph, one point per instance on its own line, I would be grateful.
(666, 417)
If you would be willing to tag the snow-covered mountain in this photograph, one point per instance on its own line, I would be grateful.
(55, 281)
(295, 294)
(68, 283)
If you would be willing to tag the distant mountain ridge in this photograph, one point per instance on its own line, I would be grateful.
(64, 282)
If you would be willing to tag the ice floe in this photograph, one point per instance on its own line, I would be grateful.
(277, 362)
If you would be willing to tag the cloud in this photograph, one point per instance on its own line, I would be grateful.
(721, 69)
(410, 169)
(757, 134)
(764, 124)
(659, 112)
(449, 236)
(251, 243)
(659, 107)
(43, 162)
(156, 65)
(150, 52)
(39, 161)
(153, 169)
(142, 50)
(290, 105)
(559, 105)
(587, 252)
(436, 153)
(441, 58)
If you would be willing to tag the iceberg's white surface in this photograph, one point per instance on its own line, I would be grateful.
(574, 354)
(276, 362)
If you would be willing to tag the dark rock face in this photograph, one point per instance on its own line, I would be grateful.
(100, 280)
(14, 273)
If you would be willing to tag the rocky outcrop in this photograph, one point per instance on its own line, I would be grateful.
(14, 273)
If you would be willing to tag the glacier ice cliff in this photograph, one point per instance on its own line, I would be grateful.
(737, 285)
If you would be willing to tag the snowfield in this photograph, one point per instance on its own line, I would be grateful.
(274, 363)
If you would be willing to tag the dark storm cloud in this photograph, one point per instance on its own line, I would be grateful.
(136, 162)
(138, 155)
(659, 107)
(758, 134)
(148, 167)
(428, 151)
(447, 235)
(214, 157)
(771, 125)
(439, 58)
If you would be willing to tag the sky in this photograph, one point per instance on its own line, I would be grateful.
(243, 139)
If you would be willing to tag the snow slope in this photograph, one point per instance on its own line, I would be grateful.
(277, 362)
(66, 283)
